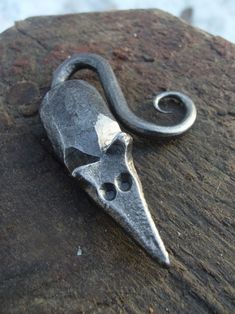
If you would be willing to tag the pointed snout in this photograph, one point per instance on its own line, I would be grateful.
(159, 253)
(114, 183)
(125, 202)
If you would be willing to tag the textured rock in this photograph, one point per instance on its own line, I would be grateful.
(188, 182)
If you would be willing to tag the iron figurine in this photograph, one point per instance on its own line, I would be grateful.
(88, 140)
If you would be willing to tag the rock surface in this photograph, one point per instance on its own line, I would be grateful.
(62, 254)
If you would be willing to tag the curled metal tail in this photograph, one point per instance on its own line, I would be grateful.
(117, 101)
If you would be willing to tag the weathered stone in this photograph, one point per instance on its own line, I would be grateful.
(188, 182)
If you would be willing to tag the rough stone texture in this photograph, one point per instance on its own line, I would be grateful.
(188, 182)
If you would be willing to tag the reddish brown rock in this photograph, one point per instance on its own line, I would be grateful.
(188, 182)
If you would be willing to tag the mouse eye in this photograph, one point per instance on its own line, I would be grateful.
(108, 191)
(124, 181)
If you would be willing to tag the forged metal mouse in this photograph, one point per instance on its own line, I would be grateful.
(88, 140)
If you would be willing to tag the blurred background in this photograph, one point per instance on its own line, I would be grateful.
(214, 16)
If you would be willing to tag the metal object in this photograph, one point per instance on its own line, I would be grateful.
(88, 139)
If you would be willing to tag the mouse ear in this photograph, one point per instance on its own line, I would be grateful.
(87, 172)
(75, 158)
(122, 143)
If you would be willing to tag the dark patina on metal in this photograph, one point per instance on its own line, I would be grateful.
(87, 138)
